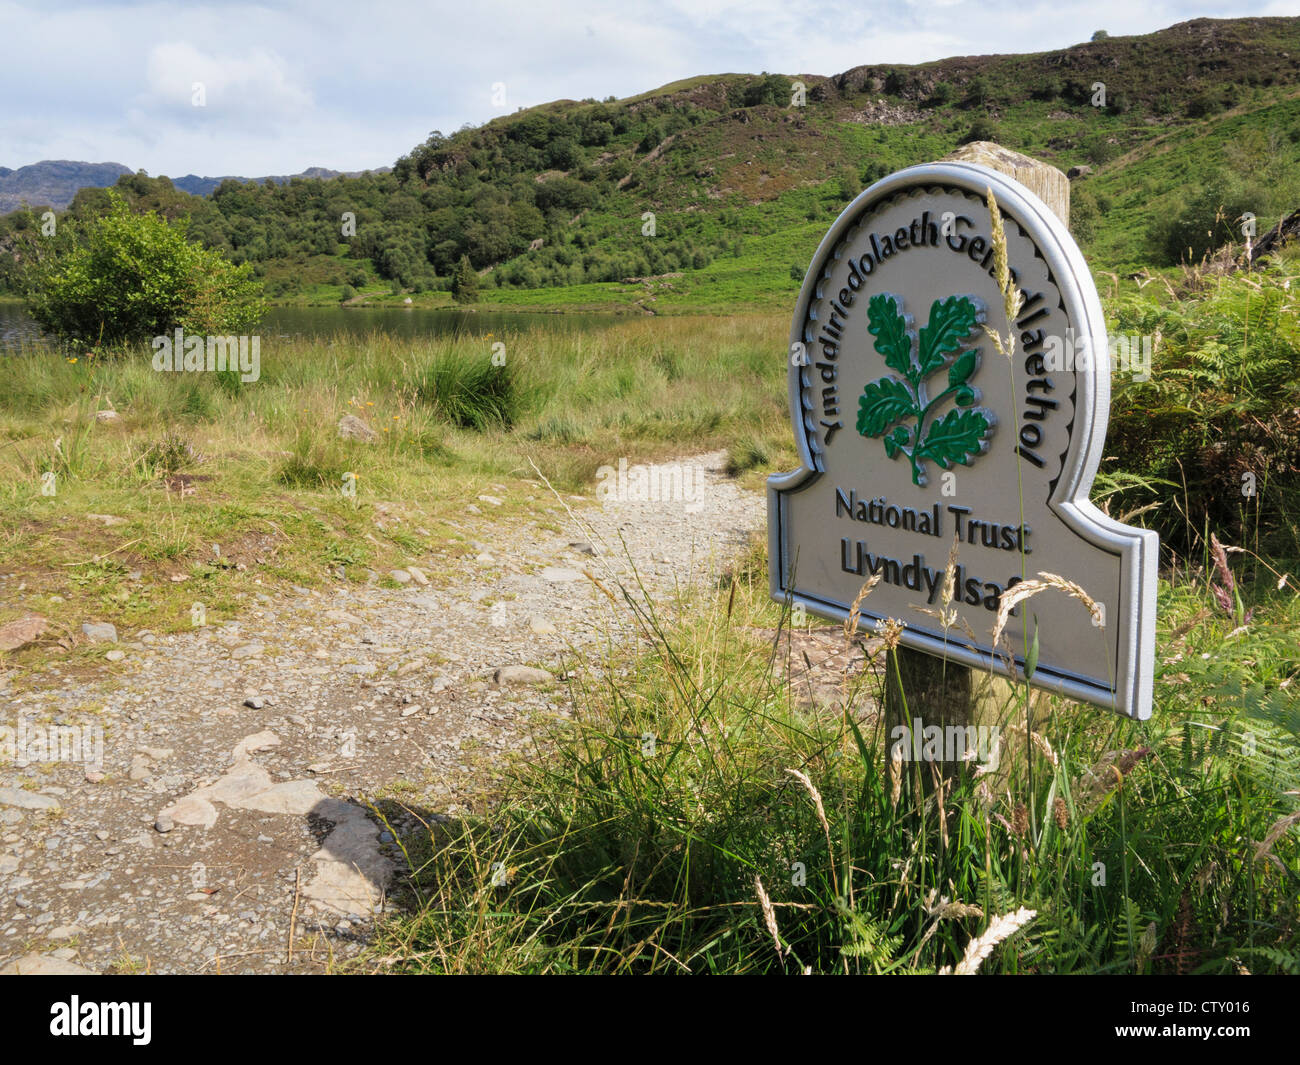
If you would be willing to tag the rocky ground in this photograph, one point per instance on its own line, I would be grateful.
(226, 828)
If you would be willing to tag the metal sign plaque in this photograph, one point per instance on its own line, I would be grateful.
(913, 430)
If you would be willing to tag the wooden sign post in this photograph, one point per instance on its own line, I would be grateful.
(933, 425)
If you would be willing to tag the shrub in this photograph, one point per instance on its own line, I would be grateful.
(874, 171)
(748, 454)
(982, 129)
(941, 95)
(123, 277)
(1084, 213)
(1204, 222)
(1217, 421)
(1050, 88)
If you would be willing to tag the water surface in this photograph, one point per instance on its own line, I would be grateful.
(17, 328)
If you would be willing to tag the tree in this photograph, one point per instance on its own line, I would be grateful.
(123, 277)
(978, 91)
(1100, 35)
(563, 154)
(772, 89)
(941, 95)
(464, 282)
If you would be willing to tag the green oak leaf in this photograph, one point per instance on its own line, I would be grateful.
(963, 366)
(955, 438)
(887, 324)
(951, 321)
(896, 441)
(961, 434)
(883, 402)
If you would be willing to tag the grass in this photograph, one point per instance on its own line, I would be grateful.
(694, 818)
(260, 468)
(472, 393)
(662, 829)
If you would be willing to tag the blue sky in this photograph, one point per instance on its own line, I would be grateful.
(349, 86)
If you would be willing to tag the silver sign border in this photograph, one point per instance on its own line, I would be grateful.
(1138, 549)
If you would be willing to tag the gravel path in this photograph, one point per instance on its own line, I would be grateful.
(229, 807)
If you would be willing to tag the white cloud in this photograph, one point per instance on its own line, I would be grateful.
(322, 82)
(252, 87)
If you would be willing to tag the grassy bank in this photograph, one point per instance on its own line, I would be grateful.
(257, 468)
(663, 829)
(697, 817)
(694, 818)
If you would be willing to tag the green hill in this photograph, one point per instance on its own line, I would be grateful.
(713, 191)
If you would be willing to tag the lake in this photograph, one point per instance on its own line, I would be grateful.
(16, 328)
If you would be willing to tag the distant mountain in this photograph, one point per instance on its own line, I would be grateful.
(53, 182)
(204, 186)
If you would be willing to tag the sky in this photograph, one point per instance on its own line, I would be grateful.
(216, 88)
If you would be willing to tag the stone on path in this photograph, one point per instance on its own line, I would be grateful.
(521, 675)
(100, 632)
(558, 574)
(27, 800)
(26, 629)
(351, 872)
(44, 965)
(259, 741)
(191, 810)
